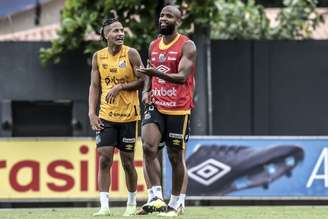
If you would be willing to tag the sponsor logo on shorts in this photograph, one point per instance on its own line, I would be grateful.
(129, 140)
(176, 142)
(147, 116)
(129, 147)
(175, 135)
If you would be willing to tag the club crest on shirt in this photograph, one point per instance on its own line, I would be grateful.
(122, 64)
(162, 57)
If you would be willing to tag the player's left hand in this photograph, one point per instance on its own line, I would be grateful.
(112, 93)
(150, 71)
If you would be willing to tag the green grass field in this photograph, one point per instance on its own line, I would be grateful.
(259, 212)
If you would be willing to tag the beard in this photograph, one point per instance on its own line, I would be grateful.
(168, 30)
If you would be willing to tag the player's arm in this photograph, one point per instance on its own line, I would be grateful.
(184, 69)
(146, 96)
(146, 92)
(186, 64)
(94, 88)
(136, 63)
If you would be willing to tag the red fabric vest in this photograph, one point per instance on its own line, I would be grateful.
(167, 95)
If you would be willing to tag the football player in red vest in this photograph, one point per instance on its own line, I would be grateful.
(168, 96)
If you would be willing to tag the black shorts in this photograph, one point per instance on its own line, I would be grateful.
(120, 135)
(174, 128)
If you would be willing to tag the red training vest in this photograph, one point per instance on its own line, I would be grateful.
(167, 95)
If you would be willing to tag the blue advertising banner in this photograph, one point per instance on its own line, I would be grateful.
(254, 167)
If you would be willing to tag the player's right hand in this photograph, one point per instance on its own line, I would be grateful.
(113, 92)
(96, 123)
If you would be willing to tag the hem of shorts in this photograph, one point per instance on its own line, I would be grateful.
(120, 121)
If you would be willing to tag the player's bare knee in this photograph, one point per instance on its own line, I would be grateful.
(105, 162)
(128, 165)
(150, 150)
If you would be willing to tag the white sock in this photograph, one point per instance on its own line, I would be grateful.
(182, 198)
(150, 195)
(157, 191)
(104, 199)
(174, 201)
(132, 198)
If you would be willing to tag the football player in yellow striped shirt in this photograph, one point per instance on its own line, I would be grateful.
(115, 80)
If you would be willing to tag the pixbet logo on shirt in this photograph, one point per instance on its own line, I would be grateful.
(116, 80)
(164, 92)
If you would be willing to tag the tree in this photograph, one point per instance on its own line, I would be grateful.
(297, 20)
(228, 19)
(82, 17)
(238, 20)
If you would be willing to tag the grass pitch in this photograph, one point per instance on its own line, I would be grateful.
(236, 212)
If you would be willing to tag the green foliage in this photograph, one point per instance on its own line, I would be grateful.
(81, 17)
(297, 20)
(238, 20)
(197, 12)
(229, 19)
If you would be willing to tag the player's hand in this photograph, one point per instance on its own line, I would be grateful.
(150, 70)
(147, 97)
(95, 122)
(112, 93)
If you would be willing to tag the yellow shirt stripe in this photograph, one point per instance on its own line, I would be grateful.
(163, 46)
(175, 112)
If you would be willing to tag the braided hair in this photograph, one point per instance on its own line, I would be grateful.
(106, 22)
